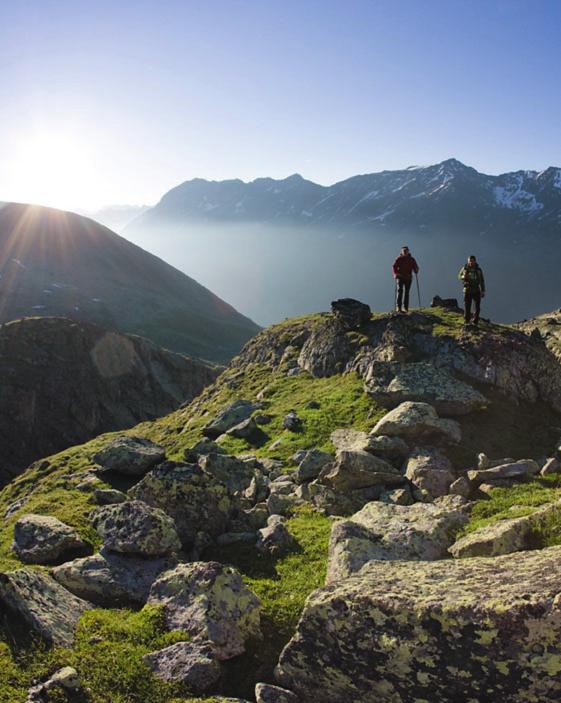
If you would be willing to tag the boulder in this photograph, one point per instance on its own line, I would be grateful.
(394, 383)
(274, 539)
(42, 605)
(351, 313)
(43, 539)
(109, 496)
(66, 679)
(265, 693)
(330, 502)
(461, 487)
(516, 470)
(193, 663)
(348, 439)
(210, 601)
(430, 471)
(292, 422)
(134, 527)
(397, 496)
(246, 429)
(281, 503)
(228, 417)
(132, 456)
(189, 496)
(393, 449)
(382, 531)
(203, 446)
(418, 422)
(446, 303)
(448, 631)
(232, 472)
(311, 464)
(359, 469)
(112, 580)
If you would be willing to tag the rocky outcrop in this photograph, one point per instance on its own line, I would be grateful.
(43, 539)
(209, 601)
(451, 630)
(123, 380)
(42, 605)
(385, 531)
(131, 456)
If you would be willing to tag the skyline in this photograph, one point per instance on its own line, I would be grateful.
(114, 104)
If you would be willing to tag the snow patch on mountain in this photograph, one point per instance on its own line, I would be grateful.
(514, 197)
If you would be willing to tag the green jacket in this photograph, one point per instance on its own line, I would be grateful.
(472, 277)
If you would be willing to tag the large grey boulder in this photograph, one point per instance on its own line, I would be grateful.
(430, 471)
(359, 469)
(311, 464)
(448, 631)
(112, 580)
(132, 456)
(394, 383)
(192, 663)
(266, 693)
(418, 422)
(274, 539)
(210, 601)
(392, 449)
(42, 605)
(349, 439)
(386, 531)
(330, 502)
(134, 527)
(189, 496)
(234, 473)
(516, 470)
(43, 539)
(229, 417)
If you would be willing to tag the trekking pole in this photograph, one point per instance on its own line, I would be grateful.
(418, 290)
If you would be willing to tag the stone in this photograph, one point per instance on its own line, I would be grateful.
(203, 446)
(232, 472)
(292, 422)
(382, 531)
(262, 418)
(461, 487)
(430, 471)
(280, 504)
(551, 466)
(112, 580)
(266, 693)
(521, 469)
(136, 528)
(236, 538)
(393, 449)
(274, 539)
(421, 381)
(228, 417)
(210, 601)
(246, 429)
(349, 440)
(192, 498)
(193, 663)
(66, 678)
(312, 405)
(451, 630)
(418, 422)
(446, 303)
(109, 496)
(330, 502)
(132, 456)
(257, 516)
(397, 496)
(311, 464)
(44, 606)
(351, 313)
(43, 539)
(359, 469)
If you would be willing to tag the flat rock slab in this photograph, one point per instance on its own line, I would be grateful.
(478, 629)
(417, 422)
(43, 539)
(515, 470)
(132, 456)
(41, 604)
(353, 470)
(387, 531)
(396, 383)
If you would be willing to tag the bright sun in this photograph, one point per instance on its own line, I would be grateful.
(53, 169)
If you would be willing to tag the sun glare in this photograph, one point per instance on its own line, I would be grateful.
(53, 169)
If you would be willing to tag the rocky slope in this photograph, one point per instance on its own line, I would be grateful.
(351, 507)
(64, 382)
(58, 263)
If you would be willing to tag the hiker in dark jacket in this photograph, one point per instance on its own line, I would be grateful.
(403, 268)
(474, 288)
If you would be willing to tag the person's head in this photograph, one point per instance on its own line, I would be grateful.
(404, 251)
(472, 261)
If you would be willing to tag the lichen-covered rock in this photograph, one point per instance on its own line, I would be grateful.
(134, 527)
(229, 417)
(451, 630)
(66, 678)
(247, 429)
(210, 601)
(351, 313)
(397, 496)
(359, 469)
(192, 663)
(43, 539)
(232, 472)
(189, 496)
(461, 487)
(394, 383)
(515, 470)
(132, 456)
(109, 496)
(418, 422)
(311, 464)
(292, 422)
(382, 531)
(430, 471)
(393, 449)
(112, 580)
(274, 539)
(43, 605)
(330, 502)
(266, 693)
(349, 440)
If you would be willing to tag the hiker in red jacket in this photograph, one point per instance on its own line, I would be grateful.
(403, 268)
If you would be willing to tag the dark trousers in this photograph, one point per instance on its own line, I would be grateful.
(403, 287)
(469, 297)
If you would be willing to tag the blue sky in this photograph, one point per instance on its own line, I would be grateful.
(116, 102)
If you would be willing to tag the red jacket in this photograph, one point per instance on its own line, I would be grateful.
(404, 266)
